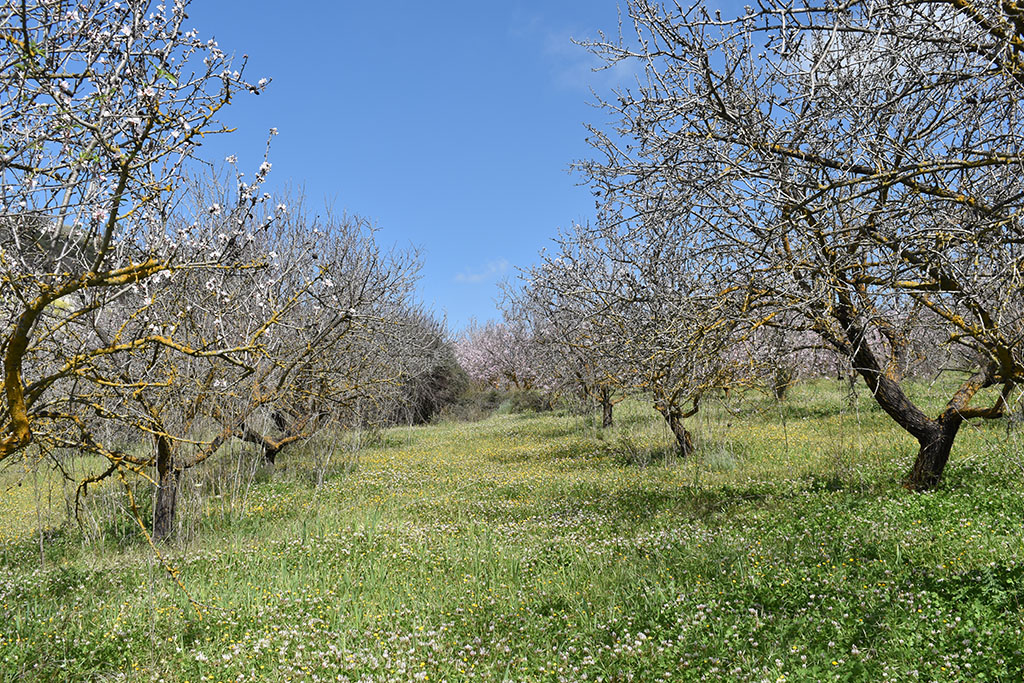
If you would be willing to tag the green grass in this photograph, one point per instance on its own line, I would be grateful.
(539, 548)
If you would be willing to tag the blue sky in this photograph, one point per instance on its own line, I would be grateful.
(450, 124)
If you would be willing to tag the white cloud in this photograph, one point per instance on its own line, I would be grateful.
(575, 68)
(490, 271)
(572, 66)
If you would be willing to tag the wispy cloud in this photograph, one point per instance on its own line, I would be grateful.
(491, 270)
(573, 67)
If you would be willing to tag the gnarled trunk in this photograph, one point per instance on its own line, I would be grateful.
(674, 417)
(683, 440)
(936, 444)
(294, 427)
(168, 478)
(935, 436)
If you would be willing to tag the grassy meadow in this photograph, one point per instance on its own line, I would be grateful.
(537, 547)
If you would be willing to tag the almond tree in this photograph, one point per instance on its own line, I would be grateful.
(562, 299)
(855, 161)
(501, 354)
(334, 310)
(103, 105)
(306, 321)
(424, 375)
(664, 317)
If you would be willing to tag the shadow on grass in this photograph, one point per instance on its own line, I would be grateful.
(816, 411)
(999, 586)
(628, 454)
(584, 453)
(632, 506)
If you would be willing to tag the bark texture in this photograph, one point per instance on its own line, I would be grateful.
(934, 435)
(675, 417)
(933, 455)
(168, 478)
(683, 439)
(606, 408)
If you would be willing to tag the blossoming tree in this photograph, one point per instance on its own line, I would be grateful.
(103, 106)
(857, 160)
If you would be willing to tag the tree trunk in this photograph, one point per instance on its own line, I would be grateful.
(935, 436)
(674, 417)
(269, 454)
(936, 444)
(168, 477)
(606, 408)
(675, 423)
(268, 447)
